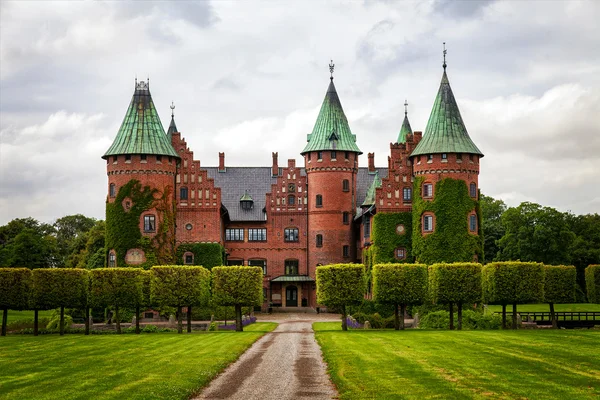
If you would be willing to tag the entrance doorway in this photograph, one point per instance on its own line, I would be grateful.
(291, 296)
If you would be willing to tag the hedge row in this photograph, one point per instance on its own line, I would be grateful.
(174, 286)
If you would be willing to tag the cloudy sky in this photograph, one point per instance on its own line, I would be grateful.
(248, 78)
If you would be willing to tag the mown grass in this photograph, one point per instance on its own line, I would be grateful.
(26, 315)
(418, 364)
(544, 307)
(147, 366)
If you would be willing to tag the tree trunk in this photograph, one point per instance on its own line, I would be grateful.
(344, 321)
(402, 313)
(87, 320)
(451, 316)
(62, 321)
(4, 321)
(36, 330)
(503, 316)
(514, 316)
(396, 319)
(137, 320)
(189, 319)
(459, 307)
(118, 319)
(179, 322)
(238, 318)
(553, 317)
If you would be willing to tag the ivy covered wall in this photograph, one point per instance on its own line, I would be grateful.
(386, 237)
(450, 240)
(123, 226)
(207, 255)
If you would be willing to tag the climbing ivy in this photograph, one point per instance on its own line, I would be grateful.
(450, 240)
(207, 255)
(123, 226)
(385, 238)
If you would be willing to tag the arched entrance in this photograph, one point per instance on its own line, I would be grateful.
(291, 296)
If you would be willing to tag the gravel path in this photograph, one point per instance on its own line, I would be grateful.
(284, 364)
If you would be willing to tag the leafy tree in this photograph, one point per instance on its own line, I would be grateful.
(15, 285)
(400, 284)
(559, 287)
(491, 225)
(592, 281)
(180, 286)
(237, 286)
(339, 285)
(70, 232)
(90, 253)
(25, 242)
(455, 283)
(586, 246)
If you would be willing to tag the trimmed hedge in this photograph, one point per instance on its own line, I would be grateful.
(339, 285)
(455, 283)
(385, 239)
(400, 284)
(592, 283)
(180, 286)
(559, 286)
(208, 255)
(15, 285)
(237, 286)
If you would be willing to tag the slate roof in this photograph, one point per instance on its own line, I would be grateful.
(141, 131)
(235, 181)
(331, 124)
(445, 131)
(370, 197)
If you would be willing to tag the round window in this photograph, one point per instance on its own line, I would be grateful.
(188, 227)
(400, 229)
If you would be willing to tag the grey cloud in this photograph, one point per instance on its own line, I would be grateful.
(461, 8)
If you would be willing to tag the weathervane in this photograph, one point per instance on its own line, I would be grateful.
(405, 107)
(445, 51)
(172, 108)
(331, 67)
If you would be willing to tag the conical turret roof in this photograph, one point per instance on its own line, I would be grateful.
(141, 131)
(331, 131)
(172, 127)
(405, 130)
(370, 198)
(445, 131)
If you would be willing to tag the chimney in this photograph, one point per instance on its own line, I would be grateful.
(371, 163)
(221, 162)
(275, 167)
(291, 163)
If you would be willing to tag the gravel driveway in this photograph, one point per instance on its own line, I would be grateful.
(284, 364)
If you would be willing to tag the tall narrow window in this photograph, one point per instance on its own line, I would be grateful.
(159, 159)
(429, 158)
(319, 201)
(473, 190)
(334, 155)
(291, 200)
(290, 235)
(144, 158)
(291, 267)
(319, 155)
(319, 240)
(428, 190)
(346, 218)
(112, 259)
(347, 155)
(367, 226)
(407, 194)
(346, 185)
(128, 158)
(112, 190)
(183, 193)
(149, 223)
(473, 223)
(346, 251)
(444, 156)
(428, 223)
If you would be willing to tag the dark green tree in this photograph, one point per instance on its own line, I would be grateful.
(493, 230)
(586, 246)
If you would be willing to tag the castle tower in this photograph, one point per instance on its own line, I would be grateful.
(331, 163)
(141, 165)
(446, 216)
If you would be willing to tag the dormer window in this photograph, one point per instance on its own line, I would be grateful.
(246, 201)
(333, 139)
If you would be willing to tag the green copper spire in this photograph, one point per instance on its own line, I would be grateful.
(370, 199)
(406, 129)
(331, 131)
(141, 131)
(445, 131)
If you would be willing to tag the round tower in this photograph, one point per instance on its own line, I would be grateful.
(141, 166)
(446, 214)
(331, 163)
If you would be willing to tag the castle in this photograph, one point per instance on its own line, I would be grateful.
(164, 207)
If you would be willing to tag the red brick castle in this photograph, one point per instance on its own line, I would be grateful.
(163, 207)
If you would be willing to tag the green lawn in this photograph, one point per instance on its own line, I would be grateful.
(20, 315)
(544, 307)
(158, 366)
(418, 364)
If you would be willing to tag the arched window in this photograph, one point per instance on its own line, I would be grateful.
(346, 185)
(112, 259)
(473, 190)
(319, 240)
(112, 191)
(319, 201)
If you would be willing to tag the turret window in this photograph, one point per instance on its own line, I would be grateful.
(428, 190)
(159, 159)
(319, 240)
(319, 201)
(183, 193)
(319, 156)
(114, 159)
(473, 190)
(346, 185)
(459, 157)
(290, 235)
(112, 191)
(429, 158)
(112, 259)
(444, 157)
(428, 223)
(347, 155)
(144, 158)
(333, 155)
(473, 223)
(407, 194)
(149, 223)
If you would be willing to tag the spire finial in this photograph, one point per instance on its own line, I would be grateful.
(172, 106)
(445, 51)
(405, 107)
(331, 67)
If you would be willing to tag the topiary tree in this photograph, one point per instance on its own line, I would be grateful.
(180, 286)
(59, 287)
(146, 281)
(455, 283)
(339, 285)
(15, 286)
(118, 287)
(400, 284)
(237, 286)
(512, 282)
(592, 283)
(559, 287)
